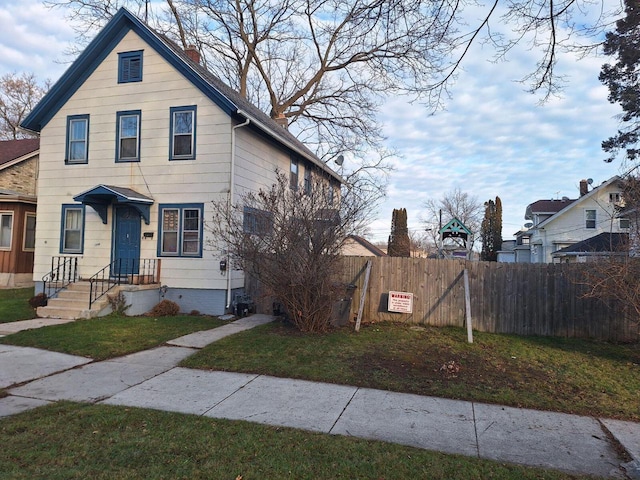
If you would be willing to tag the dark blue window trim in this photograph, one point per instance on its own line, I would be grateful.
(179, 229)
(63, 230)
(74, 143)
(177, 148)
(130, 67)
(119, 117)
(257, 222)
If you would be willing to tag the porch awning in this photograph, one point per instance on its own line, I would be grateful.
(101, 196)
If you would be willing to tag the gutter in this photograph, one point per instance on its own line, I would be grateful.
(291, 146)
(232, 173)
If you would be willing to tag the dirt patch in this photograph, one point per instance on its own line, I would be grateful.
(435, 368)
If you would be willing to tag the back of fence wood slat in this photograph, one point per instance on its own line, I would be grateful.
(526, 299)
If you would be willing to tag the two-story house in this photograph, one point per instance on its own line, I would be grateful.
(558, 224)
(137, 139)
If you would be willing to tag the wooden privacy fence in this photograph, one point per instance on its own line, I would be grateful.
(523, 299)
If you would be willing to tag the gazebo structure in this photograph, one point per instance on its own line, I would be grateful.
(462, 238)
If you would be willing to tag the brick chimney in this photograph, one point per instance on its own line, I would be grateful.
(282, 121)
(192, 52)
(584, 187)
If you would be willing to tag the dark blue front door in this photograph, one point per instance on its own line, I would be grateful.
(126, 241)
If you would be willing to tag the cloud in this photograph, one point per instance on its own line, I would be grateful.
(494, 139)
(33, 39)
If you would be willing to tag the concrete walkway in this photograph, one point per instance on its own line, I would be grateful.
(150, 379)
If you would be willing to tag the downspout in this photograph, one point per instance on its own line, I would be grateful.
(231, 194)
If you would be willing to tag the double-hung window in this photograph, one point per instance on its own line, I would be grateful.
(590, 218)
(183, 133)
(72, 229)
(307, 180)
(128, 136)
(77, 149)
(29, 239)
(130, 67)
(6, 230)
(293, 177)
(181, 230)
(257, 222)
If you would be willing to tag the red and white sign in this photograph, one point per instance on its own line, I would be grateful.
(401, 302)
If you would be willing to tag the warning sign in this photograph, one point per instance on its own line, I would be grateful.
(401, 302)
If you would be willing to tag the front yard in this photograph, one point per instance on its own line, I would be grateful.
(14, 305)
(92, 441)
(68, 441)
(545, 373)
(111, 336)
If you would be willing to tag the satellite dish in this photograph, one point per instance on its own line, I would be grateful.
(590, 181)
(528, 225)
(340, 160)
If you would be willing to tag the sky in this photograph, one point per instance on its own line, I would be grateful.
(492, 139)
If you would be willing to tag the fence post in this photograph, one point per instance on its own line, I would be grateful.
(467, 301)
(363, 295)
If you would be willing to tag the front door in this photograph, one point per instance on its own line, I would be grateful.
(126, 241)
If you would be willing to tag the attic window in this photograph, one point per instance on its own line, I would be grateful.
(130, 67)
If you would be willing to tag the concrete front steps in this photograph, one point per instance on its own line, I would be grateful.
(73, 302)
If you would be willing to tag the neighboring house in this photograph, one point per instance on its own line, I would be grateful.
(355, 246)
(594, 248)
(573, 221)
(507, 252)
(18, 180)
(137, 141)
(19, 165)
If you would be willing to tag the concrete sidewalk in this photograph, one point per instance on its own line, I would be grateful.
(150, 379)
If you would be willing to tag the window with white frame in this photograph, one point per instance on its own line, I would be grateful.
(29, 238)
(77, 149)
(590, 218)
(180, 230)
(614, 197)
(72, 229)
(625, 223)
(183, 133)
(6, 230)
(128, 136)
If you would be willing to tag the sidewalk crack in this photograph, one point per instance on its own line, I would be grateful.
(343, 410)
(475, 428)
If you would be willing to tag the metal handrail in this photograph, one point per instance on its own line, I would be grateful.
(64, 270)
(121, 271)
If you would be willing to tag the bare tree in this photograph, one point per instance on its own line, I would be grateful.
(327, 65)
(455, 204)
(18, 95)
(290, 241)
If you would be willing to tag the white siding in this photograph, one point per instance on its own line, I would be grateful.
(187, 181)
(570, 227)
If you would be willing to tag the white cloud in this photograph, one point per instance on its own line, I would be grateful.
(34, 39)
(494, 139)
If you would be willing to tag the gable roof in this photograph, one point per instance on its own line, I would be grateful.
(455, 228)
(603, 242)
(11, 150)
(546, 207)
(368, 245)
(577, 202)
(230, 101)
